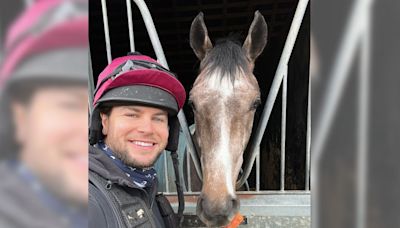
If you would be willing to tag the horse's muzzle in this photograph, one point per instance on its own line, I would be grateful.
(217, 213)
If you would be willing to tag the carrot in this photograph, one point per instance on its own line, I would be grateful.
(236, 221)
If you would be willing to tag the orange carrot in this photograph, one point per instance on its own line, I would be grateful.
(236, 221)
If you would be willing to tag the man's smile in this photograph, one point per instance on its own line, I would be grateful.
(143, 144)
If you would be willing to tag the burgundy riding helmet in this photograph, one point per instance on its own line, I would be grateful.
(140, 80)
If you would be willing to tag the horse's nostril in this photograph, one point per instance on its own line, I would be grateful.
(202, 204)
(235, 204)
(232, 205)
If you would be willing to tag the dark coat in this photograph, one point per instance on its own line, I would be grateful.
(102, 213)
(22, 206)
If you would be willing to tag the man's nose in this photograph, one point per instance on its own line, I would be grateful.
(145, 125)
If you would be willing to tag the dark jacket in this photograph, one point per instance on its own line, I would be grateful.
(23, 205)
(138, 207)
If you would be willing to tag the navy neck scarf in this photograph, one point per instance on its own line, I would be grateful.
(140, 177)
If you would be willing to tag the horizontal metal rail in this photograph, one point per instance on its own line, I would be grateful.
(271, 203)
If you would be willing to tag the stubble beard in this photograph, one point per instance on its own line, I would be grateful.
(123, 155)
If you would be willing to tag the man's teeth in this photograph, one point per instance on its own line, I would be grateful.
(139, 143)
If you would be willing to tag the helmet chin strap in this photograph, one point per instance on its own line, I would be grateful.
(95, 127)
(173, 141)
(179, 189)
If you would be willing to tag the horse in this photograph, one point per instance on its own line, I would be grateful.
(224, 98)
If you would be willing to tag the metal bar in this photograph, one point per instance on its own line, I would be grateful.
(262, 192)
(287, 51)
(338, 77)
(161, 58)
(166, 173)
(189, 177)
(151, 30)
(90, 84)
(363, 126)
(283, 128)
(130, 25)
(106, 30)
(189, 144)
(257, 171)
(308, 145)
(261, 204)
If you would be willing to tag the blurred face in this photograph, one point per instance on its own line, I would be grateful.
(136, 134)
(52, 132)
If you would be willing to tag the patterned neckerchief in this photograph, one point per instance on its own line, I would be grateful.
(141, 177)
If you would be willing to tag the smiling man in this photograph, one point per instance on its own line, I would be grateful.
(136, 102)
(43, 110)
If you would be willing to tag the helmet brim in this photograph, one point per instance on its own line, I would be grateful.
(141, 95)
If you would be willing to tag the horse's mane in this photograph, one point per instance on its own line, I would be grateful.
(227, 56)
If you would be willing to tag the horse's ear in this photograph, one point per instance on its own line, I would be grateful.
(256, 38)
(199, 40)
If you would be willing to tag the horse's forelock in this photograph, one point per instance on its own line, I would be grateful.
(228, 58)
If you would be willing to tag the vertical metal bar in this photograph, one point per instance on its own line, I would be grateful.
(189, 144)
(363, 126)
(258, 170)
(148, 21)
(338, 78)
(106, 30)
(130, 25)
(166, 172)
(90, 84)
(283, 127)
(308, 139)
(339, 75)
(155, 41)
(286, 53)
(189, 173)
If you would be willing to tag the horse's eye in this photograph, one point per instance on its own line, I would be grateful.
(192, 105)
(255, 104)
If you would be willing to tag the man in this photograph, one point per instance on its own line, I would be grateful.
(43, 130)
(134, 119)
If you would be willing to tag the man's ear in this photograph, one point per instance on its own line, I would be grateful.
(19, 117)
(104, 122)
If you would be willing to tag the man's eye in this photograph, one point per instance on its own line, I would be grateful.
(131, 115)
(160, 119)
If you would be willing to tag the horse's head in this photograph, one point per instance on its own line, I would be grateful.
(224, 97)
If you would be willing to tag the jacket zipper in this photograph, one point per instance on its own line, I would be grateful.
(110, 199)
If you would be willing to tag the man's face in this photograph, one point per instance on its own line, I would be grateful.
(52, 131)
(136, 134)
